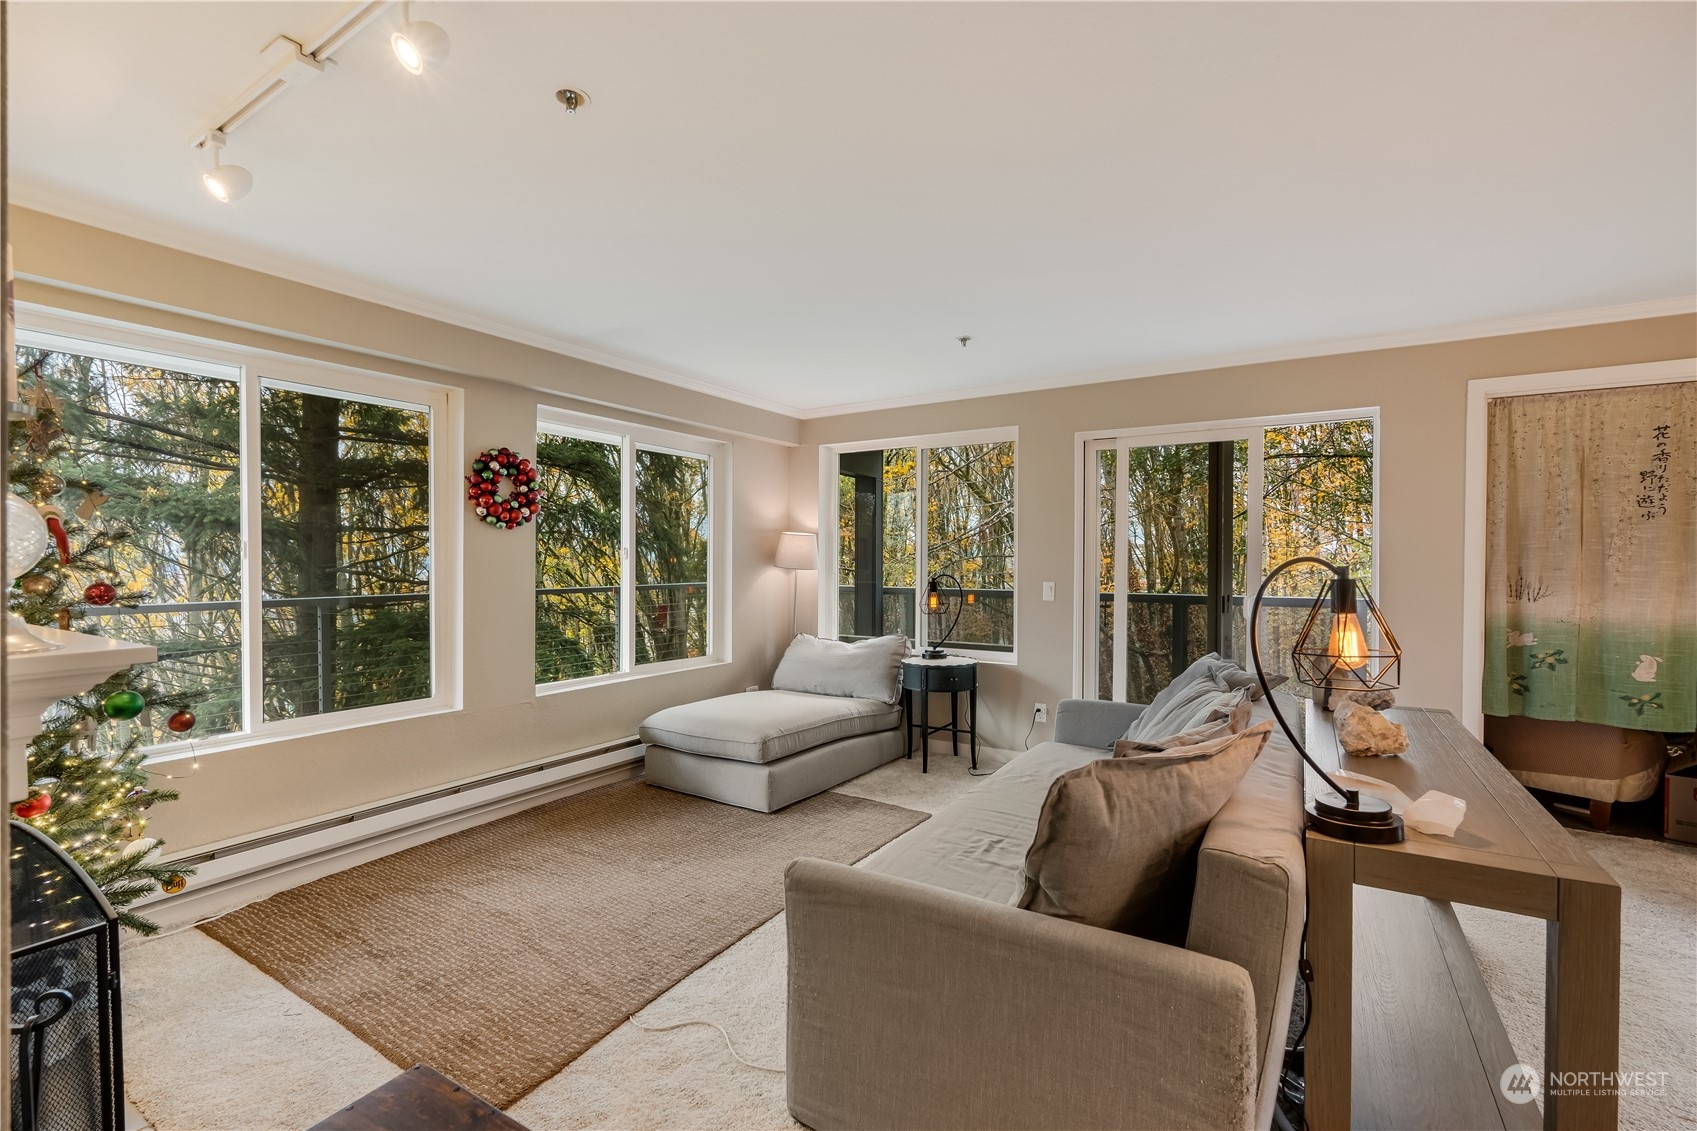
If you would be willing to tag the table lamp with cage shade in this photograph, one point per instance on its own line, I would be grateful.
(1344, 645)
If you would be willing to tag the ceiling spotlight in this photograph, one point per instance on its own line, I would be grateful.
(572, 100)
(226, 183)
(418, 44)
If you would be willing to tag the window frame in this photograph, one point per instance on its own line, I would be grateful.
(830, 542)
(630, 438)
(253, 369)
(1086, 534)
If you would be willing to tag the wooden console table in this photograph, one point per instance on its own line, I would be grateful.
(1403, 1033)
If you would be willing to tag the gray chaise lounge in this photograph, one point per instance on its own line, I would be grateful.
(831, 716)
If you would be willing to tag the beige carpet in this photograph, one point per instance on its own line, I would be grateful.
(500, 954)
(1658, 973)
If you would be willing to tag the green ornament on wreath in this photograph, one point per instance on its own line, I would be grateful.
(483, 487)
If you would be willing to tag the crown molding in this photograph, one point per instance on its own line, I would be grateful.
(1457, 332)
(81, 210)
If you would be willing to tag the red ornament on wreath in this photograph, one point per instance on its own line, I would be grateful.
(100, 593)
(483, 487)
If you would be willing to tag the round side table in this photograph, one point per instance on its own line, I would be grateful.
(953, 674)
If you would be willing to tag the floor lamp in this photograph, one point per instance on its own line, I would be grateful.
(797, 550)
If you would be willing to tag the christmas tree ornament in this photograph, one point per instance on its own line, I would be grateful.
(55, 520)
(92, 498)
(49, 486)
(124, 705)
(27, 538)
(83, 733)
(37, 804)
(174, 883)
(100, 593)
(41, 584)
(141, 846)
(141, 796)
(519, 505)
(181, 723)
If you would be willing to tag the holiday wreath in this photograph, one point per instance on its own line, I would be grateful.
(520, 505)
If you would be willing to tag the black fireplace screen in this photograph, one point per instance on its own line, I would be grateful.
(67, 1060)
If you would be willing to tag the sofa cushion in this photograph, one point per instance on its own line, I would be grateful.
(976, 844)
(761, 726)
(866, 669)
(1116, 839)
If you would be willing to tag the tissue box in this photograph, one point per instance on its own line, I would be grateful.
(1679, 807)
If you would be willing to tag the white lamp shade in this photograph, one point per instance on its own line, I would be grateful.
(798, 550)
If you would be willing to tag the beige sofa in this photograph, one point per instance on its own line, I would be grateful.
(919, 997)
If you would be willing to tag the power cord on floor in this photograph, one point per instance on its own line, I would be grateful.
(714, 1024)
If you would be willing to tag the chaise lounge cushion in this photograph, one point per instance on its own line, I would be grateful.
(763, 726)
(865, 669)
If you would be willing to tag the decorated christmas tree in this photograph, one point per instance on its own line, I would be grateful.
(89, 789)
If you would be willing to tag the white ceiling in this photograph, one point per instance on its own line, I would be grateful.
(806, 204)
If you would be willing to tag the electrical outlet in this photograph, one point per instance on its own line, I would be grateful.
(756, 687)
(1048, 590)
(1042, 713)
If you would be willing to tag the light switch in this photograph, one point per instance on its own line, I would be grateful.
(1048, 590)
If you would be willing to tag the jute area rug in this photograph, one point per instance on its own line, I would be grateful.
(499, 954)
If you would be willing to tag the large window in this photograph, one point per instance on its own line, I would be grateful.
(641, 497)
(270, 524)
(887, 555)
(1182, 527)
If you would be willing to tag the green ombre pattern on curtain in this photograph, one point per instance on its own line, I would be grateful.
(1591, 557)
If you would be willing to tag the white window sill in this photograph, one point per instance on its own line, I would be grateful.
(646, 671)
(297, 728)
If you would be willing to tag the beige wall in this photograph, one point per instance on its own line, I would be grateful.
(1421, 393)
(240, 791)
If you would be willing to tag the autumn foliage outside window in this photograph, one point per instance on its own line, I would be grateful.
(968, 493)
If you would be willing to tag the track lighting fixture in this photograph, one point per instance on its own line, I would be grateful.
(226, 183)
(418, 44)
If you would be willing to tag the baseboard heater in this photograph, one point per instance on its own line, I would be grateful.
(225, 851)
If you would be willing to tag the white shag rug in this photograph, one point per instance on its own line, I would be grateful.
(212, 1044)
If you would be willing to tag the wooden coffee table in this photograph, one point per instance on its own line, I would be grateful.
(419, 1098)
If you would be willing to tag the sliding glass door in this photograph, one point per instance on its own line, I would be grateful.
(1178, 524)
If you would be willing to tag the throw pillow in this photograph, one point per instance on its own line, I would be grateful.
(866, 669)
(1232, 674)
(1237, 677)
(1194, 705)
(1218, 725)
(1117, 838)
(1206, 666)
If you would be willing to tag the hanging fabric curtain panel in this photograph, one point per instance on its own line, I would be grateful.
(1591, 560)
